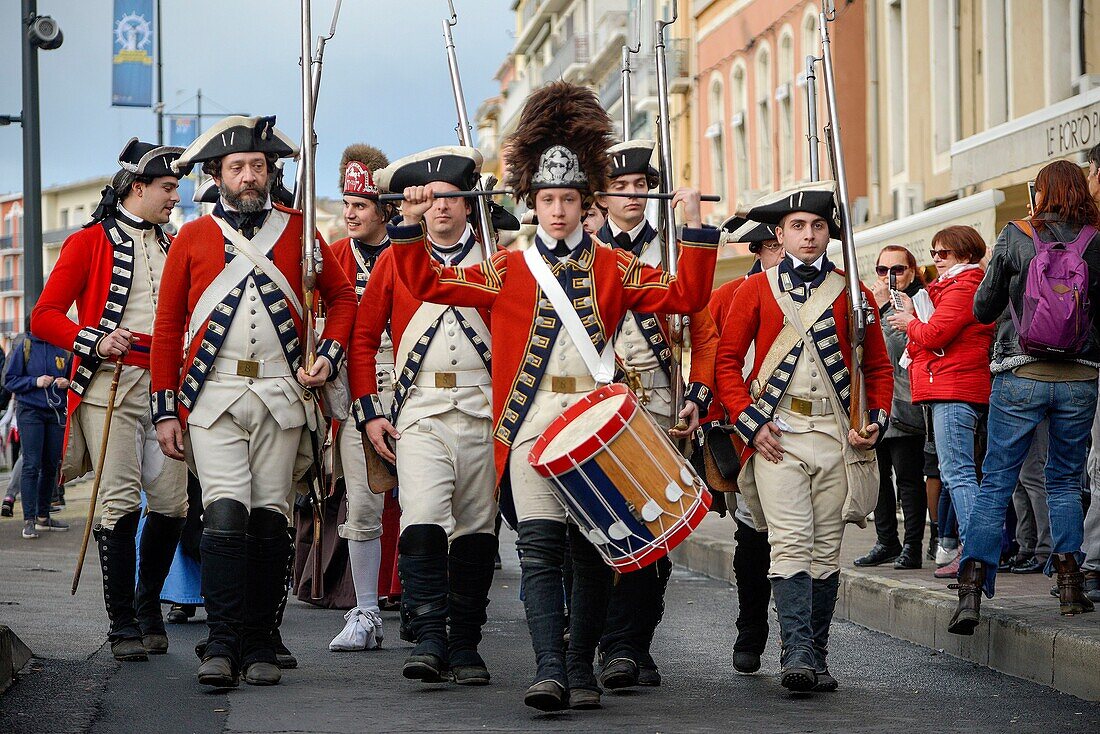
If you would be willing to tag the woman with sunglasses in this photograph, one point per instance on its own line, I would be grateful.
(1029, 387)
(901, 453)
(950, 364)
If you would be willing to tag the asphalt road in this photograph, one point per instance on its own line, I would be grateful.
(886, 685)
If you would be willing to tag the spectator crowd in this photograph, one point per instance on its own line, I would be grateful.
(993, 442)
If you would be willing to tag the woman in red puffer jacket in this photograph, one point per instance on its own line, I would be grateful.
(950, 363)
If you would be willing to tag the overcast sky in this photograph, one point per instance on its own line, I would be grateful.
(385, 76)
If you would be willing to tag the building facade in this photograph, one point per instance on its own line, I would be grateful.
(966, 101)
(582, 41)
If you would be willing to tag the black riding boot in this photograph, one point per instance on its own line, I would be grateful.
(266, 551)
(224, 578)
(541, 547)
(588, 611)
(794, 604)
(471, 565)
(159, 538)
(118, 558)
(821, 619)
(283, 656)
(751, 560)
(422, 566)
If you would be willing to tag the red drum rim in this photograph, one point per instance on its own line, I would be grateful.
(661, 548)
(592, 445)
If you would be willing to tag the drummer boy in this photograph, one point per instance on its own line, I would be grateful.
(563, 292)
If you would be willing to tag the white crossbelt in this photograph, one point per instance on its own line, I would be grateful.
(601, 366)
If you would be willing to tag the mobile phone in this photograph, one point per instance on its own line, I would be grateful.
(895, 294)
(1031, 197)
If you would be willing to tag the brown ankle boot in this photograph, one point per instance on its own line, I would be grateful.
(1071, 585)
(968, 613)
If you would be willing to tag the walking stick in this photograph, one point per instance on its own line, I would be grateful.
(98, 472)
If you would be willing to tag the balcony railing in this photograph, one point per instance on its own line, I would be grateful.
(573, 51)
(7, 284)
(7, 327)
(610, 25)
(611, 89)
(9, 242)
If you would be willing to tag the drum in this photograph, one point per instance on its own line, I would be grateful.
(620, 478)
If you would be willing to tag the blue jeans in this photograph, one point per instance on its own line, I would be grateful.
(955, 426)
(1016, 408)
(41, 437)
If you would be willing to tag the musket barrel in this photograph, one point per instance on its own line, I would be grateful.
(811, 118)
(857, 300)
(475, 193)
(659, 195)
(484, 222)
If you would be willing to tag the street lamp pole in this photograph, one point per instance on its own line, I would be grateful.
(160, 81)
(32, 166)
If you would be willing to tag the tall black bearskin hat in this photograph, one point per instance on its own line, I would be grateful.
(368, 156)
(561, 141)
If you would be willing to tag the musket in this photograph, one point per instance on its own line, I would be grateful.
(628, 50)
(811, 117)
(315, 82)
(310, 268)
(676, 322)
(473, 194)
(658, 195)
(484, 223)
(102, 460)
(859, 308)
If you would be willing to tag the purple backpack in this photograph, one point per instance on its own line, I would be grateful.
(1056, 319)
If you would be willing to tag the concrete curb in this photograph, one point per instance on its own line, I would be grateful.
(1060, 657)
(14, 654)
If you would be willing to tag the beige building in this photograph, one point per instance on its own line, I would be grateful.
(967, 100)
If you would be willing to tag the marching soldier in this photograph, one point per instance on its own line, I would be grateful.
(358, 253)
(558, 159)
(112, 270)
(228, 365)
(793, 417)
(645, 358)
(750, 555)
(440, 421)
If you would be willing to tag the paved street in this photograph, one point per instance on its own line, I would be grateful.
(75, 686)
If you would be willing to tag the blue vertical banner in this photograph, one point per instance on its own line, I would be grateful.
(182, 131)
(133, 47)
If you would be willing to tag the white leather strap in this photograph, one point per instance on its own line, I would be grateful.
(601, 366)
(260, 260)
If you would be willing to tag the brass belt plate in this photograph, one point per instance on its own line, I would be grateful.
(802, 406)
(446, 379)
(248, 368)
(563, 384)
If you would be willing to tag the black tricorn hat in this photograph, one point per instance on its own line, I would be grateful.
(754, 234)
(817, 197)
(207, 192)
(238, 134)
(149, 159)
(633, 157)
(457, 165)
(502, 219)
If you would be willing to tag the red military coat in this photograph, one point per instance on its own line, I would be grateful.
(504, 285)
(386, 302)
(753, 315)
(196, 258)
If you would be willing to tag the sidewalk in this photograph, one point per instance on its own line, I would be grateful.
(1021, 632)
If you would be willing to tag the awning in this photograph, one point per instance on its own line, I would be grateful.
(915, 232)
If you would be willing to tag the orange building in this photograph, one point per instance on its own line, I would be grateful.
(750, 97)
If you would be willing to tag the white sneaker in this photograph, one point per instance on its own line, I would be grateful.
(944, 556)
(363, 631)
